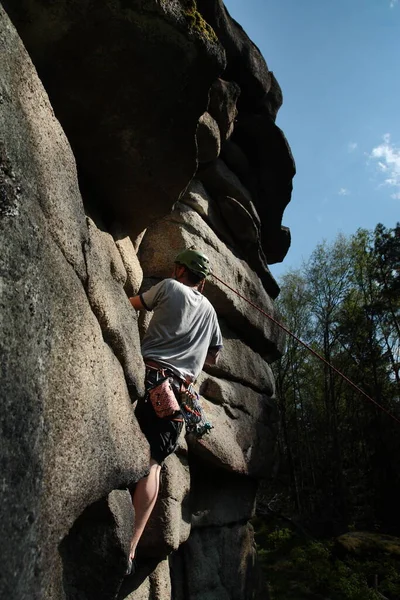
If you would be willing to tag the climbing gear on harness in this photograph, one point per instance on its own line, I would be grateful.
(163, 399)
(193, 413)
(160, 393)
(189, 407)
(195, 261)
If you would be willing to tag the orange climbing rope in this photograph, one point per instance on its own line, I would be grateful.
(353, 385)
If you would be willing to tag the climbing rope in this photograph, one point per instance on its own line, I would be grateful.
(321, 358)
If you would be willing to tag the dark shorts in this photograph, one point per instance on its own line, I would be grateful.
(162, 434)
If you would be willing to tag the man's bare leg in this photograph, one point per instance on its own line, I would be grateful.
(144, 498)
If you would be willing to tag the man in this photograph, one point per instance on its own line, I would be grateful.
(182, 336)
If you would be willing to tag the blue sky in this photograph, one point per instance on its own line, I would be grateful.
(338, 63)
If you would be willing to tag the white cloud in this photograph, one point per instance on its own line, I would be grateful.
(343, 192)
(388, 156)
(392, 3)
(351, 146)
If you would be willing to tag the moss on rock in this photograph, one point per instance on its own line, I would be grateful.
(364, 542)
(196, 21)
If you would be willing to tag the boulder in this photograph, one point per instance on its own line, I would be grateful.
(68, 432)
(246, 233)
(117, 318)
(219, 498)
(236, 396)
(239, 213)
(208, 139)
(243, 438)
(274, 98)
(128, 81)
(368, 544)
(197, 198)
(236, 160)
(69, 408)
(95, 551)
(245, 64)
(273, 171)
(259, 100)
(241, 223)
(169, 524)
(133, 270)
(238, 362)
(222, 105)
(257, 86)
(220, 181)
(41, 151)
(151, 581)
(241, 218)
(160, 582)
(211, 557)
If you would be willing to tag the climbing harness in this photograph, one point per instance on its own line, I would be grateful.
(321, 358)
(163, 387)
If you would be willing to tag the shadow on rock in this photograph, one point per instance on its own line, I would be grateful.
(144, 568)
(94, 554)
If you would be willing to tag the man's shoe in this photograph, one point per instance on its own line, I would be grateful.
(131, 568)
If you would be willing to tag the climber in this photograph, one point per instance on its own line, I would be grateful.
(182, 336)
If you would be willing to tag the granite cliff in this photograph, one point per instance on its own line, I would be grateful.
(131, 129)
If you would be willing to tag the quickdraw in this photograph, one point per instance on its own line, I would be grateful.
(193, 413)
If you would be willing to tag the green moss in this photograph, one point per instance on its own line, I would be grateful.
(196, 21)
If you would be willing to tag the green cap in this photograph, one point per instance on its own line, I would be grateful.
(195, 261)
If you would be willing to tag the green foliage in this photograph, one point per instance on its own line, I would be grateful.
(341, 452)
(279, 537)
(298, 568)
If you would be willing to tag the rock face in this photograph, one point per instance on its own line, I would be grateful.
(170, 113)
(128, 81)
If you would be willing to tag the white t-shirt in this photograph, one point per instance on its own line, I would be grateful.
(183, 328)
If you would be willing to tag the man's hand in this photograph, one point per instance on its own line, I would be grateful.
(136, 303)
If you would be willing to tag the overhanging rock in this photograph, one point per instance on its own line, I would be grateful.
(128, 81)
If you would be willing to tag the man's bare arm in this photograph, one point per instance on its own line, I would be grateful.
(212, 356)
(136, 303)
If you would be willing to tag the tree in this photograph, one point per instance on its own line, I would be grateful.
(341, 451)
